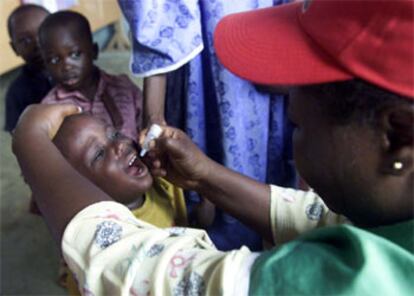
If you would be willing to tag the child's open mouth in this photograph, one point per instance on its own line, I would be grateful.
(135, 167)
(71, 81)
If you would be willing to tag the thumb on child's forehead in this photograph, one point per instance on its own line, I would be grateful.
(68, 109)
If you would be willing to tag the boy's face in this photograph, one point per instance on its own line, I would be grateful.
(24, 28)
(69, 57)
(338, 161)
(107, 158)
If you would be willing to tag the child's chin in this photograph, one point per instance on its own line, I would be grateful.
(70, 87)
(145, 183)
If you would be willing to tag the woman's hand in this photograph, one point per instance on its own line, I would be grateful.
(45, 118)
(174, 156)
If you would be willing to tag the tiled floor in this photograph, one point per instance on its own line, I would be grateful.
(29, 257)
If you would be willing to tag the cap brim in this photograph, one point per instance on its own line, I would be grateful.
(268, 46)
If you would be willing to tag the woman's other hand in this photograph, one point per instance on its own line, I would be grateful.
(47, 118)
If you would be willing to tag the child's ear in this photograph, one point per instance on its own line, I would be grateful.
(95, 50)
(397, 129)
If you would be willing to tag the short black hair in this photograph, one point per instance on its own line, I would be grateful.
(65, 18)
(20, 9)
(355, 101)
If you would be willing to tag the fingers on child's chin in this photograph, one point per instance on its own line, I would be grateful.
(159, 172)
(152, 154)
(156, 163)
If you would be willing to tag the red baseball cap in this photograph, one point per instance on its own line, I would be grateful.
(322, 41)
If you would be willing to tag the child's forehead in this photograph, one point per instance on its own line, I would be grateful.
(69, 31)
(87, 123)
(30, 12)
(26, 16)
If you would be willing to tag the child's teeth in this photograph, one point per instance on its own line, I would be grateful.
(132, 160)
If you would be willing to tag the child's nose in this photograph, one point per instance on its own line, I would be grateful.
(119, 147)
(67, 64)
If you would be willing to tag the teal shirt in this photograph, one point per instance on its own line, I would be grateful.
(340, 260)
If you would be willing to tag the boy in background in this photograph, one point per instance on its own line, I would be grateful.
(68, 50)
(32, 84)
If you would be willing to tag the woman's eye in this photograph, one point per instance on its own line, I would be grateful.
(54, 60)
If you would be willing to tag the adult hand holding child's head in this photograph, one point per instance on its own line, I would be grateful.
(174, 156)
(44, 118)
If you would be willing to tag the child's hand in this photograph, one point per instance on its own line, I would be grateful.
(174, 156)
(42, 117)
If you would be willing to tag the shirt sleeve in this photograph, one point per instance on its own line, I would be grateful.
(110, 252)
(339, 260)
(294, 212)
(165, 34)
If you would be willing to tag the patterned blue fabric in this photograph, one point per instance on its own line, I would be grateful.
(225, 116)
(165, 33)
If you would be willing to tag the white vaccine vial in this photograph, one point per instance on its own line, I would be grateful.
(153, 133)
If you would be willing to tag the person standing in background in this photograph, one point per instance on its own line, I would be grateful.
(32, 83)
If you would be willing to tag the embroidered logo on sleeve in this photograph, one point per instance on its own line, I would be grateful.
(155, 250)
(107, 233)
(314, 211)
(176, 231)
(192, 285)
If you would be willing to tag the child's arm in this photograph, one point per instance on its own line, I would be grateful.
(154, 99)
(60, 190)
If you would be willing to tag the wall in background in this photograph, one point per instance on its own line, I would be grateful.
(99, 13)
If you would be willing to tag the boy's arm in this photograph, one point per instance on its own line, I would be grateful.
(154, 99)
(60, 190)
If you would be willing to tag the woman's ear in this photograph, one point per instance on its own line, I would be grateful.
(397, 129)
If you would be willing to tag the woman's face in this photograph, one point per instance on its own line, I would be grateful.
(338, 161)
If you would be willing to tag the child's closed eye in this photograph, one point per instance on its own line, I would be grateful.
(99, 155)
(115, 135)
